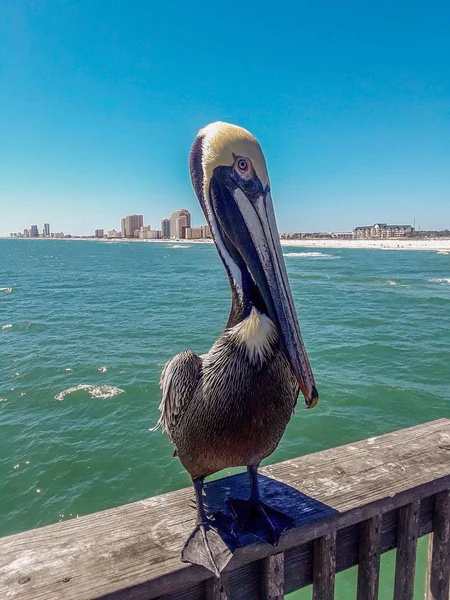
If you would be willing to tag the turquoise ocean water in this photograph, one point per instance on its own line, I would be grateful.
(85, 328)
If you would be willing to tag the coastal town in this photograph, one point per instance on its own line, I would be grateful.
(178, 227)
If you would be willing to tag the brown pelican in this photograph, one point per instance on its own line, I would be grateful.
(230, 407)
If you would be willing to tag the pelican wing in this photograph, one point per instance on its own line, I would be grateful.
(178, 381)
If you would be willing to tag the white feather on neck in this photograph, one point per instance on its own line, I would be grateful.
(257, 333)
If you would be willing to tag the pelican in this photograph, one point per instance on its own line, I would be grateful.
(230, 406)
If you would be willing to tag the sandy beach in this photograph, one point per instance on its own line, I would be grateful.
(441, 245)
(436, 244)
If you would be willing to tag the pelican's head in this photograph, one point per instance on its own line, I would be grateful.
(230, 178)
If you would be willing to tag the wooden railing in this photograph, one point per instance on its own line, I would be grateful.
(350, 504)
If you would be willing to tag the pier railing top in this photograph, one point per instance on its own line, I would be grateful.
(133, 551)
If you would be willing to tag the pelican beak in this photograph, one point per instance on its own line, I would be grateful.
(248, 221)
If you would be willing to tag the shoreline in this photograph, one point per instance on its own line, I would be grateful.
(429, 244)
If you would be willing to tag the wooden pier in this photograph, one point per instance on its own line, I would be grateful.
(350, 504)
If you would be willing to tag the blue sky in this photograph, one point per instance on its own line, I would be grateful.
(101, 100)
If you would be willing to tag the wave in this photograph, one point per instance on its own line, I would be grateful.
(392, 282)
(443, 252)
(95, 391)
(440, 280)
(6, 290)
(321, 255)
(7, 326)
(179, 246)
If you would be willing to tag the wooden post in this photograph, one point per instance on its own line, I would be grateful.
(324, 567)
(369, 558)
(405, 566)
(273, 577)
(438, 571)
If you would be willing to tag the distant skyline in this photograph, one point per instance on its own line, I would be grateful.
(101, 102)
(92, 233)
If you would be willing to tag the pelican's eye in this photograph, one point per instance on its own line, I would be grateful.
(242, 165)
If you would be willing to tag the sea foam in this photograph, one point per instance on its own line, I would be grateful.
(6, 290)
(440, 280)
(321, 255)
(95, 391)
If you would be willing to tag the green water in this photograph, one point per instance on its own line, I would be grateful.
(376, 325)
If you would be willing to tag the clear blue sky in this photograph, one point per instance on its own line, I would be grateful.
(101, 100)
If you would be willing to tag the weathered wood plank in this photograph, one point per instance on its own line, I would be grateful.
(197, 591)
(427, 574)
(324, 567)
(369, 558)
(273, 577)
(134, 550)
(438, 572)
(405, 564)
(245, 581)
(218, 589)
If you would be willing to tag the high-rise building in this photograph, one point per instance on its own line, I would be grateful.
(144, 232)
(165, 228)
(193, 233)
(206, 231)
(46, 231)
(181, 224)
(183, 212)
(130, 224)
(34, 231)
(99, 233)
(147, 233)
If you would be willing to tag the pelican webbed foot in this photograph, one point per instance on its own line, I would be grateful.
(205, 545)
(257, 518)
(261, 520)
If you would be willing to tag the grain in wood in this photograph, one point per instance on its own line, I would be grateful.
(273, 577)
(369, 558)
(405, 566)
(218, 589)
(324, 568)
(438, 571)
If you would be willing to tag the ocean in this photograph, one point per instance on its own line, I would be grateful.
(85, 328)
